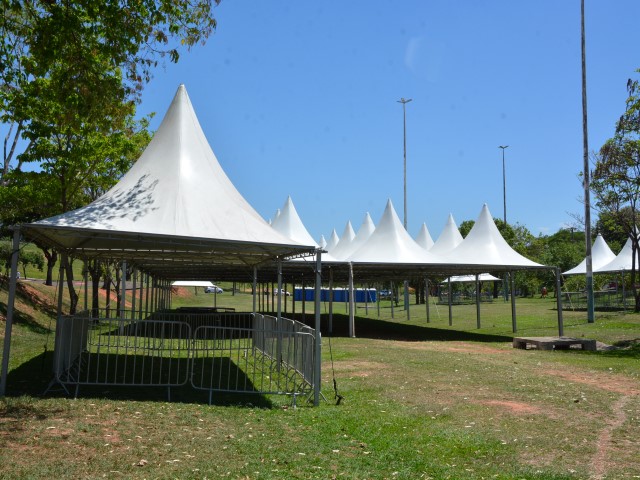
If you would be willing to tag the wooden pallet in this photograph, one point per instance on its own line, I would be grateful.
(553, 343)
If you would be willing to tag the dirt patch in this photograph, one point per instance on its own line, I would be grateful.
(454, 347)
(513, 406)
(359, 368)
(610, 382)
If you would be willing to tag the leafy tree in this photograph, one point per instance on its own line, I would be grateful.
(616, 176)
(71, 74)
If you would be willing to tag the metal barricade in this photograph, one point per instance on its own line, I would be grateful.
(266, 358)
(107, 351)
(218, 352)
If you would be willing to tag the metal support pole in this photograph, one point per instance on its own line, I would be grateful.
(559, 304)
(254, 287)
(406, 298)
(134, 278)
(318, 339)
(123, 287)
(352, 307)
(426, 298)
(86, 285)
(513, 303)
(330, 300)
(450, 295)
(10, 304)
(477, 300)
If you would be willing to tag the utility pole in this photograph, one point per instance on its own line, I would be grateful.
(505, 282)
(504, 184)
(585, 174)
(404, 102)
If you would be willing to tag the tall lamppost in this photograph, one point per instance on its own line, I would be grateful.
(404, 102)
(505, 283)
(504, 184)
(591, 318)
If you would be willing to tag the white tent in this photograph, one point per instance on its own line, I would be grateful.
(346, 238)
(449, 238)
(483, 277)
(333, 241)
(323, 242)
(424, 238)
(485, 246)
(601, 254)
(289, 224)
(343, 250)
(164, 199)
(390, 243)
(622, 261)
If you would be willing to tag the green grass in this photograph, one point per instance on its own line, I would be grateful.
(420, 400)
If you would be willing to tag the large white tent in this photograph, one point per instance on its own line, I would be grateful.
(344, 249)
(449, 238)
(623, 261)
(333, 241)
(163, 204)
(348, 234)
(289, 224)
(424, 238)
(485, 246)
(601, 255)
(390, 243)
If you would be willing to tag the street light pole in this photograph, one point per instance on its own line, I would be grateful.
(404, 102)
(504, 184)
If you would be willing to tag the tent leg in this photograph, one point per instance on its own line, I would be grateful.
(318, 339)
(559, 304)
(513, 303)
(352, 314)
(477, 300)
(450, 304)
(426, 297)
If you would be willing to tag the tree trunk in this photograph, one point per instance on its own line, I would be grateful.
(52, 258)
(94, 272)
(73, 295)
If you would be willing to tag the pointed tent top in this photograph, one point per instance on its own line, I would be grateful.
(622, 261)
(170, 189)
(485, 246)
(322, 243)
(390, 243)
(289, 224)
(449, 239)
(601, 254)
(424, 238)
(333, 241)
(342, 251)
(347, 236)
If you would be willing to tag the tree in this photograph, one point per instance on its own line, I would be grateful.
(616, 176)
(71, 75)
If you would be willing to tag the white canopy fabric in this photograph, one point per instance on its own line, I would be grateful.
(346, 238)
(175, 194)
(622, 261)
(390, 243)
(601, 254)
(483, 277)
(485, 246)
(322, 243)
(289, 224)
(424, 238)
(449, 239)
(333, 241)
(192, 283)
(343, 250)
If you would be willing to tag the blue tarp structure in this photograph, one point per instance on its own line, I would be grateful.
(362, 295)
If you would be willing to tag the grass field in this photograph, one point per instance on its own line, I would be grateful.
(419, 400)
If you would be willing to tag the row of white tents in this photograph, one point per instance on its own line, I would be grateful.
(603, 260)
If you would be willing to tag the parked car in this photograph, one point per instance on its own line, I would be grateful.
(214, 289)
(284, 292)
(385, 294)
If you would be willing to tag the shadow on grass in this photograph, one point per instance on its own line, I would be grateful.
(32, 379)
(26, 320)
(384, 329)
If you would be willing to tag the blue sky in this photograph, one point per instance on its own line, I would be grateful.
(300, 98)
